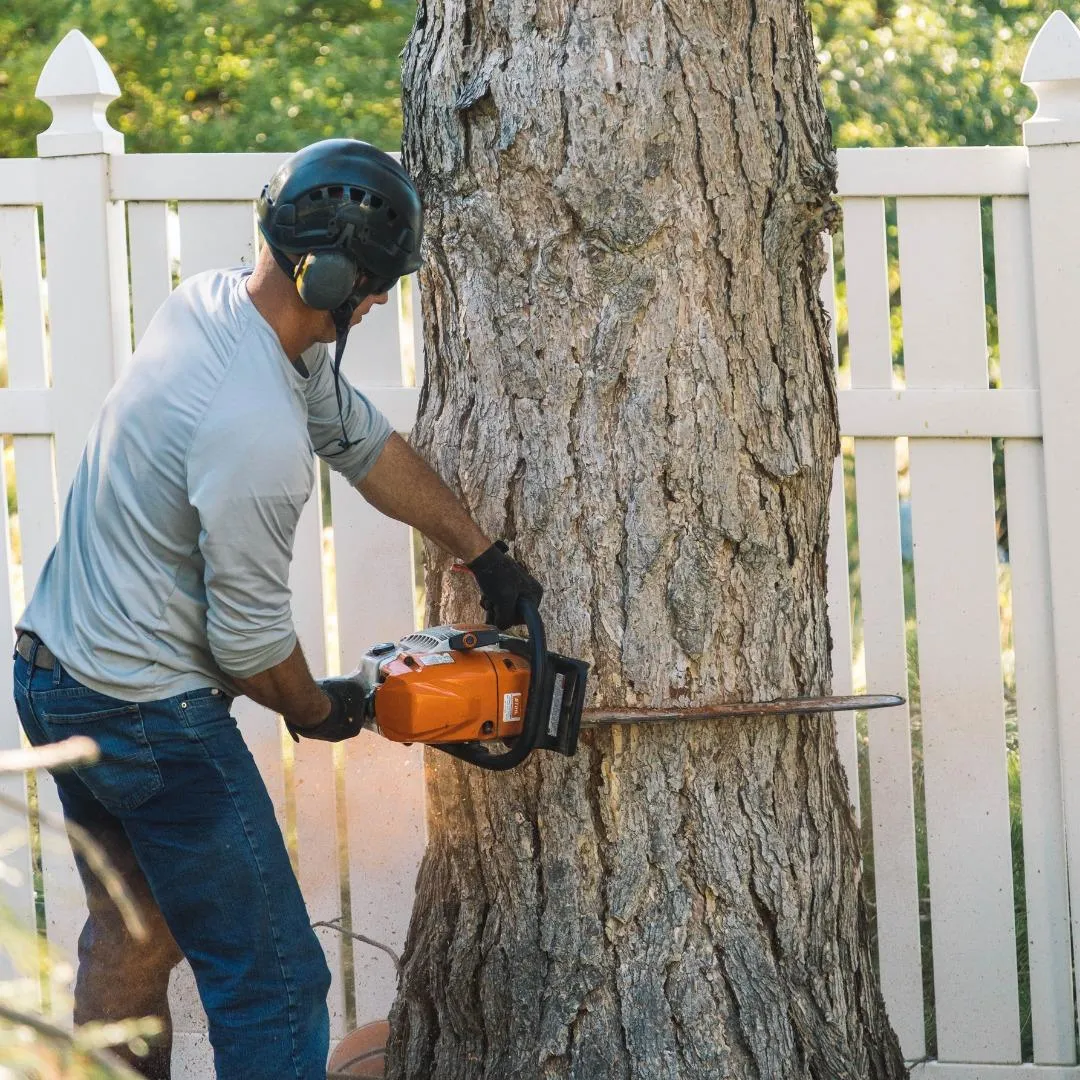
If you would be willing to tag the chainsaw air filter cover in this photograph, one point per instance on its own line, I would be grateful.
(449, 684)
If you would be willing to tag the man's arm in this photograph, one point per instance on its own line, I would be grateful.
(288, 688)
(403, 486)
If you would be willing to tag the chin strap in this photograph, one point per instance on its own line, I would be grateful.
(288, 268)
(342, 316)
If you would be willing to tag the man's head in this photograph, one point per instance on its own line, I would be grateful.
(344, 221)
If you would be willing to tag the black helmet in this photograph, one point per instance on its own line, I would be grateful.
(342, 197)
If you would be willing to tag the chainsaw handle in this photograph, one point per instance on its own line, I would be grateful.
(533, 724)
(530, 616)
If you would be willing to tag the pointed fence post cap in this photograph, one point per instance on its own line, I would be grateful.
(1052, 70)
(77, 84)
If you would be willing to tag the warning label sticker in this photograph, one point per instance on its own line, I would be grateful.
(429, 659)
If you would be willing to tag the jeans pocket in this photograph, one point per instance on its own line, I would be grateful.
(126, 774)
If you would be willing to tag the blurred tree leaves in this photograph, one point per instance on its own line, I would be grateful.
(945, 73)
(235, 76)
(274, 74)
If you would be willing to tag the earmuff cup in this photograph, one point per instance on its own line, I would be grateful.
(325, 279)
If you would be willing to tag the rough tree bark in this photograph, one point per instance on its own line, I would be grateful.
(629, 377)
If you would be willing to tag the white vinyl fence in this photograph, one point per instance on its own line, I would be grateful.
(920, 438)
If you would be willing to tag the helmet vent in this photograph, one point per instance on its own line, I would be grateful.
(335, 192)
(315, 195)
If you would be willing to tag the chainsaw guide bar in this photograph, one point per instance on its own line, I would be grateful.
(735, 709)
(491, 699)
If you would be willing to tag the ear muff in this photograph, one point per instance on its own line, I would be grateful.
(325, 279)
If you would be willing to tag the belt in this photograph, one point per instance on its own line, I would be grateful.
(43, 658)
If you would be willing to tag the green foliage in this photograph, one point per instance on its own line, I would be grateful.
(247, 75)
(945, 73)
(274, 74)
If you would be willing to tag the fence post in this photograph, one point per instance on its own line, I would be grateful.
(89, 335)
(85, 243)
(1052, 137)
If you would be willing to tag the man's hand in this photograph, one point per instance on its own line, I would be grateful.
(503, 583)
(346, 717)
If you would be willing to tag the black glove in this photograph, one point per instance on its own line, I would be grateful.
(348, 710)
(503, 584)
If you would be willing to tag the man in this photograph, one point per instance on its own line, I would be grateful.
(166, 596)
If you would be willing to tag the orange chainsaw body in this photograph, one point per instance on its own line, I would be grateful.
(451, 695)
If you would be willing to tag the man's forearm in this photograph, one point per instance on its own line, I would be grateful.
(288, 689)
(403, 486)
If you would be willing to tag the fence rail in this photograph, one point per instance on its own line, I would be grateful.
(967, 859)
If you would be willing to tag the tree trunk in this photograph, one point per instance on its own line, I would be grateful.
(629, 377)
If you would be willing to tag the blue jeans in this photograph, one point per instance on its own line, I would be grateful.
(179, 805)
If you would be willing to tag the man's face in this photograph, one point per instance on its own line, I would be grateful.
(365, 305)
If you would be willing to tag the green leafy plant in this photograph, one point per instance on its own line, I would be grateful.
(32, 1046)
(248, 75)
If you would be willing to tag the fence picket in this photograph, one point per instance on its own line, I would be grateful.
(216, 235)
(20, 263)
(313, 768)
(967, 814)
(16, 888)
(383, 781)
(1045, 866)
(18, 245)
(890, 762)
(418, 329)
(373, 353)
(20, 286)
(892, 800)
(151, 271)
(838, 596)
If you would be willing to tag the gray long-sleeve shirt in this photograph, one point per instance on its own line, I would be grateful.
(171, 571)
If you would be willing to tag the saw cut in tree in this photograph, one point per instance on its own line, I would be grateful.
(629, 377)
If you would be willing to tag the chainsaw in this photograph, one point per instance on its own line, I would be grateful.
(469, 690)
(463, 689)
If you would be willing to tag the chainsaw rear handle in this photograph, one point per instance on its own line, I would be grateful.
(533, 725)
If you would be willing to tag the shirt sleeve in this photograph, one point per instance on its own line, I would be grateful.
(249, 490)
(366, 428)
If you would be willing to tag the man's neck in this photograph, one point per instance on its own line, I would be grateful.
(276, 300)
